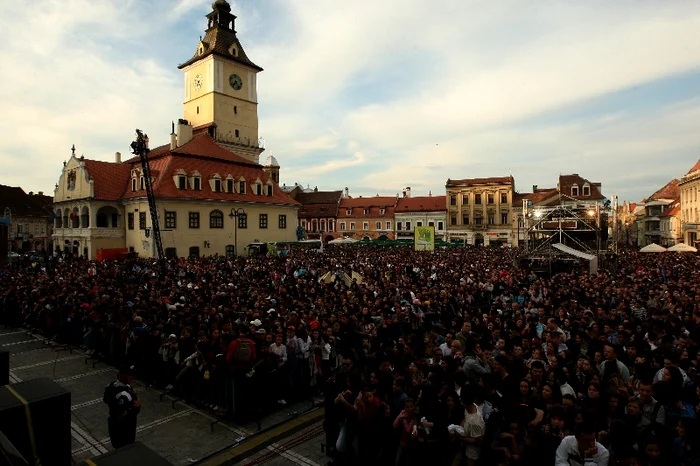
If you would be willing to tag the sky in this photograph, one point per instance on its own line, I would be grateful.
(373, 96)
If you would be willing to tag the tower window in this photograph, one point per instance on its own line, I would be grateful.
(237, 133)
(197, 109)
(235, 110)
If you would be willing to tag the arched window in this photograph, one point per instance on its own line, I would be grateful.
(216, 219)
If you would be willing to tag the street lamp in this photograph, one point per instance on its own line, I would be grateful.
(234, 215)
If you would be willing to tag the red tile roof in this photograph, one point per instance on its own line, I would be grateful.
(481, 181)
(22, 204)
(537, 197)
(669, 191)
(695, 168)
(373, 205)
(675, 209)
(318, 197)
(202, 154)
(567, 181)
(421, 204)
(110, 179)
(318, 210)
(382, 201)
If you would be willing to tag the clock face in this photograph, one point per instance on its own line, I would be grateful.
(198, 82)
(235, 81)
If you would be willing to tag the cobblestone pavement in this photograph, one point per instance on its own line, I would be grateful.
(179, 432)
(301, 447)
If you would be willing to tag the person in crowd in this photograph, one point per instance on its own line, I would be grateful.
(480, 357)
(124, 407)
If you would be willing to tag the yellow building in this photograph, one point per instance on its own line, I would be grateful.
(690, 206)
(28, 214)
(209, 171)
(366, 217)
(479, 210)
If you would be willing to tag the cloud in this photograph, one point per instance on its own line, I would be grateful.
(374, 94)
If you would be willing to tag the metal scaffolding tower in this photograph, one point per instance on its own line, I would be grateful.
(140, 147)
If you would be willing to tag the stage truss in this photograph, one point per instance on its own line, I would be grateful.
(560, 224)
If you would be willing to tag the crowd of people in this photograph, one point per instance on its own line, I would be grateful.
(451, 357)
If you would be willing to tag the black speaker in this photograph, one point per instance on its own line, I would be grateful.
(35, 417)
(9, 456)
(4, 367)
(136, 454)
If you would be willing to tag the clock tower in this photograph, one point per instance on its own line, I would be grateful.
(221, 86)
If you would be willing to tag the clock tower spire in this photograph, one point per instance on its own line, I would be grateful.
(221, 86)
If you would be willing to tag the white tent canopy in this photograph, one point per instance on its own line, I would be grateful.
(682, 247)
(593, 266)
(345, 240)
(653, 247)
(574, 252)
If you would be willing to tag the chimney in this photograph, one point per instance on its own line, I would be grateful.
(40, 193)
(184, 133)
(117, 157)
(346, 193)
(31, 193)
(534, 188)
(430, 193)
(407, 191)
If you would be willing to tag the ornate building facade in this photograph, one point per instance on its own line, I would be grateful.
(29, 225)
(690, 206)
(366, 217)
(212, 195)
(411, 212)
(479, 210)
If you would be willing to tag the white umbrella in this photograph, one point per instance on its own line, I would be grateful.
(682, 247)
(653, 247)
(344, 240)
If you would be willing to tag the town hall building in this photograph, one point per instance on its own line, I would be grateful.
(208, 176)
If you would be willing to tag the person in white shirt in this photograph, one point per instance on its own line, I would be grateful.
(582, 449)
(446, 347)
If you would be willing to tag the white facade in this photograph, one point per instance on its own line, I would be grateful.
(406, 222)
(690, 206)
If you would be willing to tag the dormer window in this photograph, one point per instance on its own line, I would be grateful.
(574, 190)
(217, 186)
(269, 190)
(229, 185)
(142, 183)
(381, 212)
(241, 187)
(586, 189)
(133, 184)
(196, 180)
(182, 182)
(233, 51)
(365, 211)
(258, 189)
(348, 211)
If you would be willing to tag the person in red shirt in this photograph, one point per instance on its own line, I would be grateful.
(241, 358)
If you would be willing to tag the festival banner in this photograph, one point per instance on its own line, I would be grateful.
(424, 238)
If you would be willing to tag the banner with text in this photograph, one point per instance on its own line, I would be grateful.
(424, 238)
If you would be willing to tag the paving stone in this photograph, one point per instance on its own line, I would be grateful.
(180, 433)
